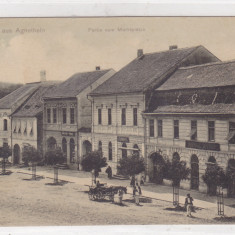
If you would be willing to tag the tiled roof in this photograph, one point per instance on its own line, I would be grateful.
(200, 76)
(76, 84)
(143, 71)
(34, 105)
(220, 108)
(18, 96)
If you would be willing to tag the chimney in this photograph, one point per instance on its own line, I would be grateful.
(173, 47)
(97, 68)
(43, 75)
(139, 53)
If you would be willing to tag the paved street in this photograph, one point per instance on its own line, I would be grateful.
(28, 202)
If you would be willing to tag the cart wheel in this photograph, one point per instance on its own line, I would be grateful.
(99, 195)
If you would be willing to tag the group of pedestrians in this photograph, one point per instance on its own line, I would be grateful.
(137, 192)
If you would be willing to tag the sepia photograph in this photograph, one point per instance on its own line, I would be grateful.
(117, 121)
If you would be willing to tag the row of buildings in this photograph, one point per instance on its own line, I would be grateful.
(178, 103)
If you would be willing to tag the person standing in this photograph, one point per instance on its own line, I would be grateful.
(189, 204)
(120, 196)
(109, 172)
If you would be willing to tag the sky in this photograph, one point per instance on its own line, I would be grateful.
(65, 46)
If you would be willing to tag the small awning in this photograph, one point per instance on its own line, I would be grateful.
(231, 134)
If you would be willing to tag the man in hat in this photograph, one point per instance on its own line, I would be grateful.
(189, 204)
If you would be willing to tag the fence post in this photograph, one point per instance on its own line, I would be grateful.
(220, 201)
(4, 166)
(176, 196)
(56, 175)
(34, 171)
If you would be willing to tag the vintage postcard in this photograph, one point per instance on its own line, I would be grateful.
(117, 121)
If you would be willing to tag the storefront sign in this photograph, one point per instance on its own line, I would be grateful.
(123, 139)
(68, 133)
(202, 145)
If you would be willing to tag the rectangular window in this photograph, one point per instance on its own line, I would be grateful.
(54, 116)
(134, 116)
(176, 129)
(231, 136)
(109, 116)
(123, 116)
(99, 117)
(64, 113)
(5, 124)
(151, 128)
(159, 128)
(193, 130)
(72, 115)
(211, 131)
(48, 115)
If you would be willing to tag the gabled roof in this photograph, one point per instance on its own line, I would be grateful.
(76, 84)
(144, 71)
(200, 109)
(201, 76)
(17, 97)
(34, 105)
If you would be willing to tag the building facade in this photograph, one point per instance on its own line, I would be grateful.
(118, 127)
(67, 112)
(193, 119)
(8, 105)
(27, 122)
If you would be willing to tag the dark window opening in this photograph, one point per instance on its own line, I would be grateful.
(109, 116)
(211, 130)
(5, 124)
(54, 116)
(151, 128)
(123, 116)
(159, 128)
(135, 116)
(110, 151)
(64, 112)
(72, 116)
(193, 130)
(176, 129)
(48, 115)
(99, 117)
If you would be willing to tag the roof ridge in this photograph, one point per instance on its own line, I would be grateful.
(208, 64)
(178, 49)
(92, 71)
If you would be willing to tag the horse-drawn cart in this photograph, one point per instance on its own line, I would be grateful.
(102, 192)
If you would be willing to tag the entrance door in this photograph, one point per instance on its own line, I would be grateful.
(158, 164)
(16, 153)
(194, 172)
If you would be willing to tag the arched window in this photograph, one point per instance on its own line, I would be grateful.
(72, 150)
(136, 152)
(100, 146)
(51, 143)
(211, 159)
(124, 150)
(5, 124)
(176, 157)
(64, 146)
(110, 151)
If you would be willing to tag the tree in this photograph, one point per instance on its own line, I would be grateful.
(131, 165)
(54, 156)
(5, 152)
(214, 176)
(176, 171)
(30, 155)
(94, 161)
